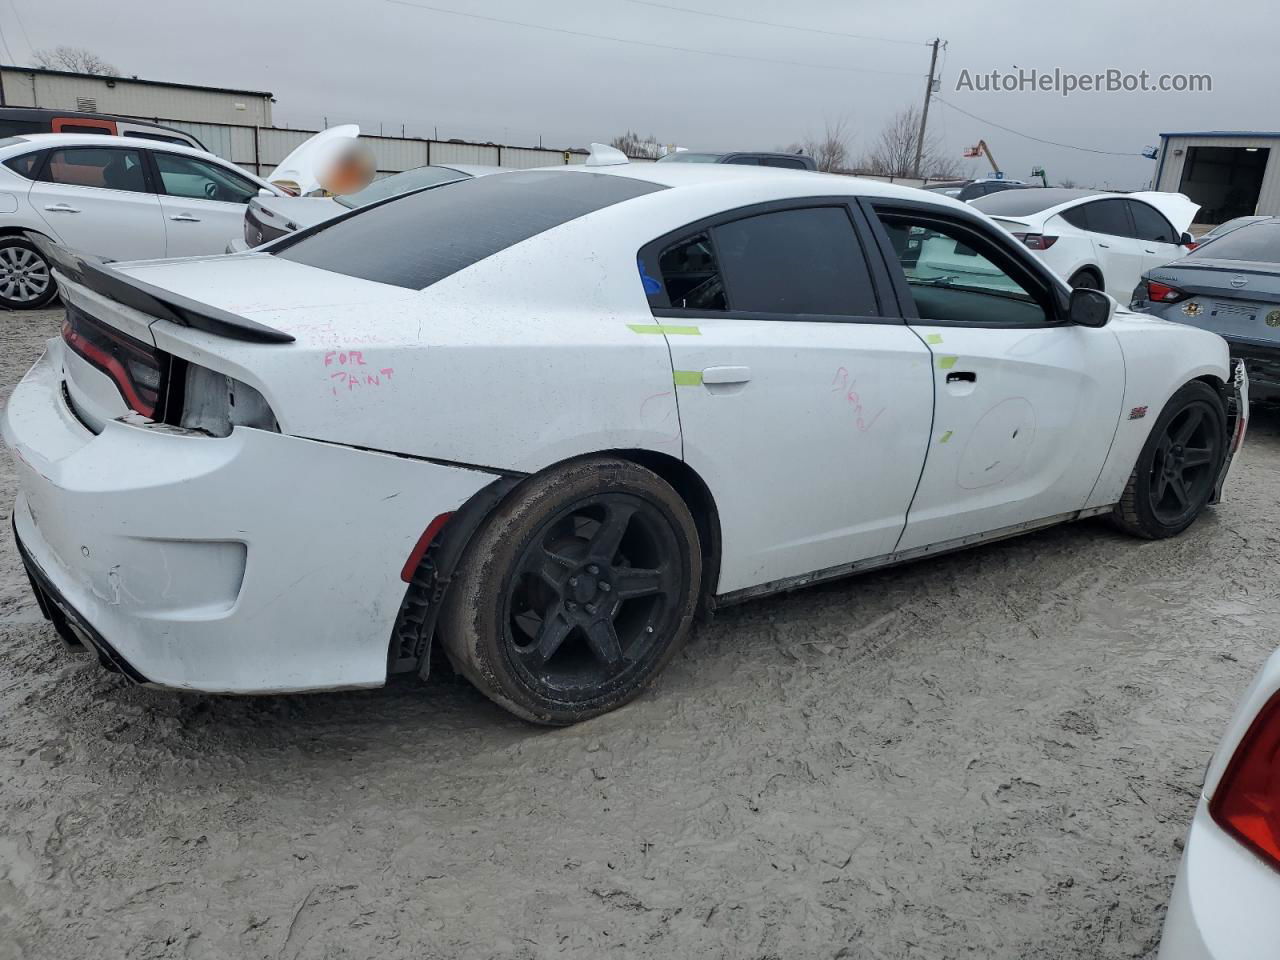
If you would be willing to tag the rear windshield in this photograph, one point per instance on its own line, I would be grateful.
(415, 240)
(399, 183)
(1258, 242)
(1019, 203)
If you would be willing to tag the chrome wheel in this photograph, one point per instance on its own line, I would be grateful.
(24, 274)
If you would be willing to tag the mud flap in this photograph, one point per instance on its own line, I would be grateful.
(1237, 424)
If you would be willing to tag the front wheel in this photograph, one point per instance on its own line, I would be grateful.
(1174, 477)
(576, 592)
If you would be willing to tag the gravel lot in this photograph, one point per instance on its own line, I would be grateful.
(993, 754)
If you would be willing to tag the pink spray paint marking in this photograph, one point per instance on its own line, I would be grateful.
(841, 382)
(351, 376)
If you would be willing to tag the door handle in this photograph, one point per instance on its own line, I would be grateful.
(720, 375)
(185, 218)
(1105, 246)
(962, 376)
(1149, 251)
(62, 208)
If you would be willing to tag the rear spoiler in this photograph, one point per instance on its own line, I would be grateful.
(94, 273)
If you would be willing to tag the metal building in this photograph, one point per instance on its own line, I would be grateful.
(1230, 173)
(127, 96)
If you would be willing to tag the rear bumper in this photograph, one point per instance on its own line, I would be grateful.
(1263, 365)
(249, 564)
(1224, 900)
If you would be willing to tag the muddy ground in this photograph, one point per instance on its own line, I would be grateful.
(993, 754)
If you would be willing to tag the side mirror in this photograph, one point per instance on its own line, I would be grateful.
(1186, 240)
(1090, 308)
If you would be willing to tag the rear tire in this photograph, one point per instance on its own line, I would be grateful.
(1085, 279)
(26, 282)
(1175, 474)
(576, 592)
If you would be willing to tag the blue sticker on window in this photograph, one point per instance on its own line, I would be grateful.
(650, 285)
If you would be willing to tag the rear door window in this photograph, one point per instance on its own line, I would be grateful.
(785, 263)
(416, 240)
(111, 168)
(1150, 224)
(1110, 217)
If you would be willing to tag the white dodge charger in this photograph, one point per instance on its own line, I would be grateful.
(545, 417)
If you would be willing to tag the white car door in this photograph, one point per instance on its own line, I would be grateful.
(1026, 405)
(203, 203)
(1121, 255)
(1157, 235)
(801, 403)
(98, 200)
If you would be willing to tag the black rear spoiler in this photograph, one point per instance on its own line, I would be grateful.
(94, 273)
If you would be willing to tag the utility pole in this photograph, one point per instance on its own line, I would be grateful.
(924, 114)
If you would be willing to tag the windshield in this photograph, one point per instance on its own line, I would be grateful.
(1257, 242)
(400, 183)
(415, 240)
(684, 156)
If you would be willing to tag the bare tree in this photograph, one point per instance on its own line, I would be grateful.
(830, 151)
(1068, 183)
(894, 153)
(633, 145)
(75, 60)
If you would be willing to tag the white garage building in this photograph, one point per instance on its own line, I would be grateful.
(1230, 173)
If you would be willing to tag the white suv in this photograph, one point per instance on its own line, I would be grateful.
(120, 198)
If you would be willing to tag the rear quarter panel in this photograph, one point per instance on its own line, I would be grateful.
(1159, 358)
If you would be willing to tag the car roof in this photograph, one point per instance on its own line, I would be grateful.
(1027, 202)
(46, 140)
(693, 175)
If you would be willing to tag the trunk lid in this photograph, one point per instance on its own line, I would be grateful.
(1237, 300)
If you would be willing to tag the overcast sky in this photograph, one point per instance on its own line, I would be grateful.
(379, 61)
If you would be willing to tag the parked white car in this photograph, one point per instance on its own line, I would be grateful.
(120, 198)
(545, 415)
(1225, 899)
(1104, 241)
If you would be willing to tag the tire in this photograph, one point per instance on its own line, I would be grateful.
(26, 282)
(1085, 280)
(1175, 474)
(576, 591)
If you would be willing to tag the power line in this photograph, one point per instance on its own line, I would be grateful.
(780, 26)
(1027, 136)
(22, 26)
(646, 43)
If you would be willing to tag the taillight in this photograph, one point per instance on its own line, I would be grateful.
(135, 367)
(1158, 292)
(1247, 801)
(1036, 241)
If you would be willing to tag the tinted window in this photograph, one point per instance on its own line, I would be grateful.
(956, 278)
(400, 183)
(66, 127)
(1109, 217)
(416, 240)
(109, 167)
(16, 128)
(1150, 224)
(162, 137)
(785, 162)
(685, 156)
(745, 161)
(198, 179)
(1258, 242)
(25, 164)
(795, 262)
(1077, 216)
(691, 275)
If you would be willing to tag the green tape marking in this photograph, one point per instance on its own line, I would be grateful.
(672, 331)
(945, 437)
(946, 363)
(933, 338)
(688, 378)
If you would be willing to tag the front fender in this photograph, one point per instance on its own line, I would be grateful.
(1159, 358)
